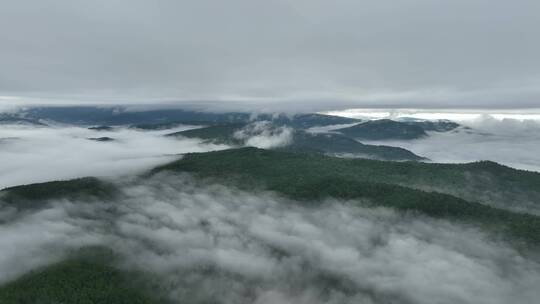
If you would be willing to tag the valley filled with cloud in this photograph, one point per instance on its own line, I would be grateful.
(511, 142)
(207, 242)
(32, 154)
(269, 152)
(206, 234)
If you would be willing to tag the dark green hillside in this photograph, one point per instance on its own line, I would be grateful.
(33, 195)
(328, 143)
(437, 125)
(486, 182)
(222, 134)
(312, 176)
(384, 129)
(306, 121)
(337, 144)
(163, 118)
(87, 277)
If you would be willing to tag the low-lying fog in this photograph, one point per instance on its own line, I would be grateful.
(209, 243)
(515, 143)
(30, 154)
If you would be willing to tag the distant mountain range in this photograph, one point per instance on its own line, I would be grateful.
(167, 118)
(220, 128)
(152, 119)
(12, 119)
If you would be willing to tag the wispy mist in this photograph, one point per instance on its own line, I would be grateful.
(212, 243)
(262, 134)
(37, 154)
(511, 142)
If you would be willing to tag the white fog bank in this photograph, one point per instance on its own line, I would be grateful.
(512, 139)
(515, 143)
(209, 243)
(31, 154)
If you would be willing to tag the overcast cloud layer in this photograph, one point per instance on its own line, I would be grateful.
(320, 54)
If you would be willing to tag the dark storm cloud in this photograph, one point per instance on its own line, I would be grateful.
(320, 54)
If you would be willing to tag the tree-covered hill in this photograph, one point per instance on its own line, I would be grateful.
(384, 129)
(435, 125)
(220, 134)
(92, 276)
(164, 118)
(452, 191)
(389, 184)
(486, 182)
(302, 141)
(33, 195)
(87, 276)
(340, 145)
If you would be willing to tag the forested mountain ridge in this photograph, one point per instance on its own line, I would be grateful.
(88, 275)
(486, 182)
(387, 129)
(303, 141)
(159, 118)
(307, 180)
(384, 129)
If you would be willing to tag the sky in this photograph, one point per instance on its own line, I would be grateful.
(278, 54)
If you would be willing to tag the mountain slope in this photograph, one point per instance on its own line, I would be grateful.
(87, 276)
(302, 141)
(384, 129)
(336, 144)
(311, 176)
(221, 134)
(436, 125)
(164, 118)
(33, 195)
(472, 181)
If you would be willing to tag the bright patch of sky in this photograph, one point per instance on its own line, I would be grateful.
(454, 115)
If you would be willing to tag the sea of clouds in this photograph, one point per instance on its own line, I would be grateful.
(509, 141)
(512, 142)
(210, 243)
(32, 154)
